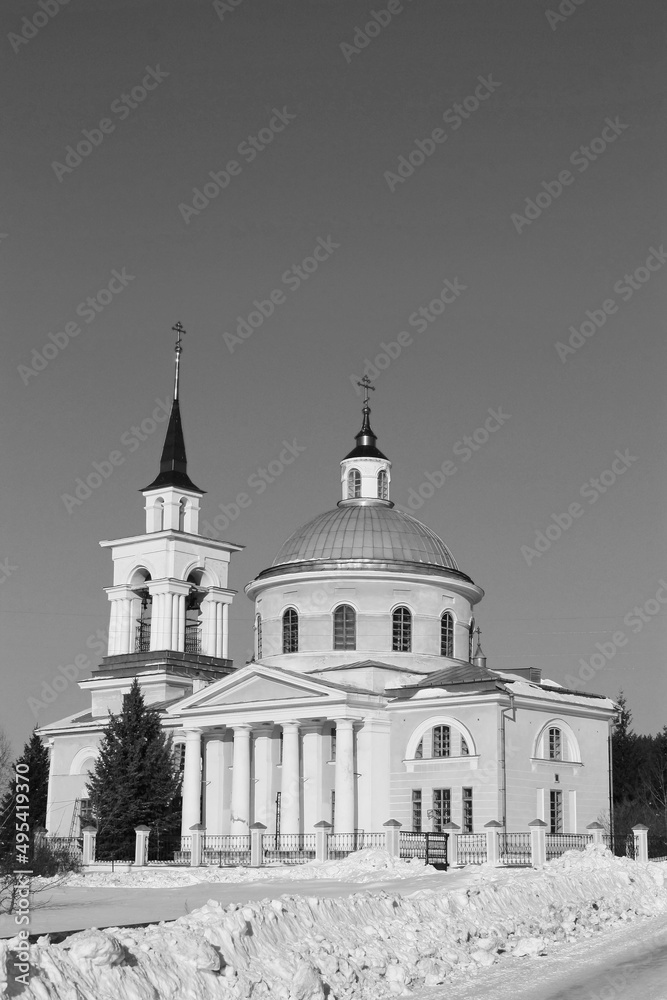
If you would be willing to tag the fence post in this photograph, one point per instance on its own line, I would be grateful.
(392, 837)
(89, 838)
(596, 830)
(538, 843)
(322, 840)
(452, 843)
(641, 842)
(492, 852)
(140, 845)
(257, 845)
(197, 845)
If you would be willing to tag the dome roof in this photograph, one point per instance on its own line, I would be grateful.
(366, 531)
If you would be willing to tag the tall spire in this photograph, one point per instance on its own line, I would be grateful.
(173, 464)
(366, 440)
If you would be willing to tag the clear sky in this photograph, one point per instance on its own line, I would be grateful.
(495, 112)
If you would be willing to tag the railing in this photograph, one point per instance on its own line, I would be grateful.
(559, 843)
(471, 848)
(514, 848)
(342, 844)
(171, 850)
(70, 845)
(142, 637)
(429, 847)
(228, 849)
(622, 845)
(193, 640)
(288, 848)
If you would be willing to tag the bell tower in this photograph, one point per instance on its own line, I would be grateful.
(365, 471)
(169, 613)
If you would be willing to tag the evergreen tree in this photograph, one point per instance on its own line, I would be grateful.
(36, 757)
(626, 754)
(135, 780)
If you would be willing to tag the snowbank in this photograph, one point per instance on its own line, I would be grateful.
(369, 946)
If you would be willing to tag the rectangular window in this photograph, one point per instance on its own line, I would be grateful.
(555, 811)
(417, 810)
(333, 810)
(441, 741)
(333, 744)
(442, 808)
(467, 811)
(555, 745)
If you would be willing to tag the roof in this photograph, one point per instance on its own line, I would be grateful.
(366, 532)
(173, 464)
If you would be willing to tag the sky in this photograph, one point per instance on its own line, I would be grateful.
(502, 161)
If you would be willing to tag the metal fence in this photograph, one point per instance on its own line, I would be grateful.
(288, 848)
(621, 844)
(342, 844)
(224, 850)
(559, 843)
(429, 847)
(169, 850)
(471, 848)
(514, 848)
(67, 845)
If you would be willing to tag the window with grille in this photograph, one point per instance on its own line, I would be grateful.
(290, 631)
(555, 811)
(281, 747)
(471, 636)
(442, 741)
(419, 752)
(442, 808)
(466, 813)
(464, 747)
(383, 485)
(401, 631)
(345, 627)
(179, 756)
(555, 744)
(333, 744)
(353, 484)
(417, 810)
(333, 809)
(447, 634)
(258, 627)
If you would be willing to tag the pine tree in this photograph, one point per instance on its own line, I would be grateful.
(626, 754)
(36, 757)
(135, 780)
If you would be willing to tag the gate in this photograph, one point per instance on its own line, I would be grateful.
(429, 847)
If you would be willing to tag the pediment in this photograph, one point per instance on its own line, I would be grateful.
(255, 684)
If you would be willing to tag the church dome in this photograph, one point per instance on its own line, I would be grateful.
(363, 531)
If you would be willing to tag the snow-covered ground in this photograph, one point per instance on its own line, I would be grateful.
(368, 946)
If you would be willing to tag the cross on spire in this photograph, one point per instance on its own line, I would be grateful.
(179, 330)
(366, 385)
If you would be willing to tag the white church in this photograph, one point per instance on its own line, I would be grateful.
(365, 700)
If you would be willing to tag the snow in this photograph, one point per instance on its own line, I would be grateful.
(370, 946)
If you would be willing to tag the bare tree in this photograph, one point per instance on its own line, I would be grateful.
(5, 762)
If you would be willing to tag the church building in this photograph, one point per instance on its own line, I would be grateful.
(368, 697)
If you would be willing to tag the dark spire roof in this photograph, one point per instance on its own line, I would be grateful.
(173, 464)
(366, 440)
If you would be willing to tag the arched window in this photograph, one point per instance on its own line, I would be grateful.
(345, 627)
(447, 634)
(159, 508)
(401, 631)
(290, 631)
(555, 746)
(383, 485)
(442, 741)
(258, 636)
(471, 636)
(182, 507)
(353, 484)
(419, 752)
(464, 747)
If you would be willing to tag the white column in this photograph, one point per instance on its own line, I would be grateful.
(168, 620)
(313, 778)
(208, 626)
(373, 752)
(225, 631)
(191, 813)
(214, 788)
(113, 645)
(240, 818)
(124, 625)
(218, 629)
(263, 758)
(290, 786)
(179, 622)
(157, 619)
(344, 819)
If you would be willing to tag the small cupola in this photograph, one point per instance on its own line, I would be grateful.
(365, 471)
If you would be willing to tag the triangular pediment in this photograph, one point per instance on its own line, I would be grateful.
(255, 684)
